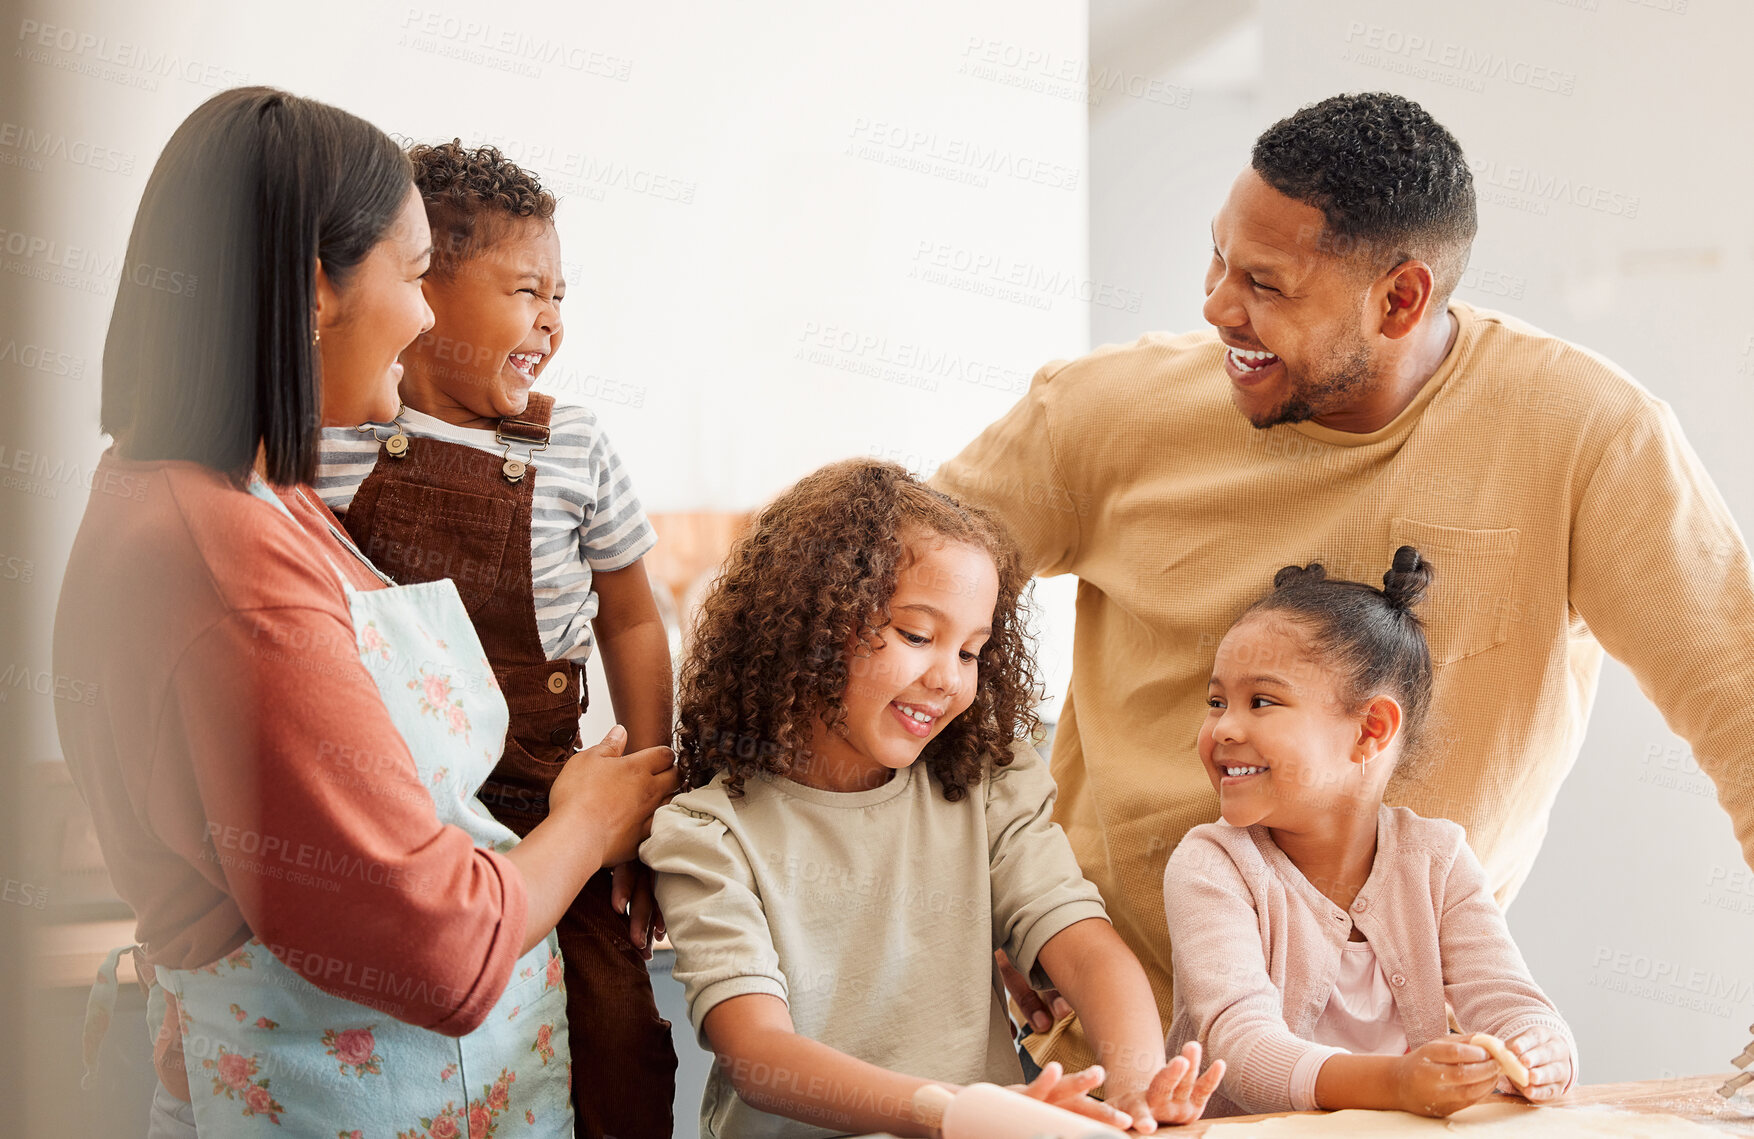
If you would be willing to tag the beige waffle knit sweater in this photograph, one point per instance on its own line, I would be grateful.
(1560, 505)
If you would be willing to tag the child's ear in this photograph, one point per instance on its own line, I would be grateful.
(1377, 729)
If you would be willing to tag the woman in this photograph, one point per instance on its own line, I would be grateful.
(283, 755)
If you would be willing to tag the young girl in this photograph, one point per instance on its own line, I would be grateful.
(864, 830)
(1317, 933)
(526, 507)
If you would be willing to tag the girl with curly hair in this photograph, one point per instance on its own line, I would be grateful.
(1317, 934)
(867, 824)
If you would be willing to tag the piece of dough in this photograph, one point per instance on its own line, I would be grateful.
(1498, 1118)
(1512, 1067)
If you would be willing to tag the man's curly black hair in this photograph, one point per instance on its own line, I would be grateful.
(804, 597)
(471, 193)
(1391, 182)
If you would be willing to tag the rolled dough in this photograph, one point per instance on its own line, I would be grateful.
(1507, 1061)
(1503, 1119)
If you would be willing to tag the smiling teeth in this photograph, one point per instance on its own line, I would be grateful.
(915, 714)
(1246, 356)
(526, 361)
(1243, 770)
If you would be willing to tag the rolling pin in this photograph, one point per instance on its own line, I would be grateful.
(987, 1111)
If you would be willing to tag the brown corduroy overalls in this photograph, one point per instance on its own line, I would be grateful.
(432, 509)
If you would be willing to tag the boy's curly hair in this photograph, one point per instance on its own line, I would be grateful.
(471, 193)
(814, 575)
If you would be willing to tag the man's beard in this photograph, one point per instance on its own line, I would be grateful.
(1340, 377)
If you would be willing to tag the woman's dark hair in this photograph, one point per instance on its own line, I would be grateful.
(470, 195)
(1370, 638)
(209, 352)
(815, 574)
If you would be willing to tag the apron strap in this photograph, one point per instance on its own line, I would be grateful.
(100, 1008)
(260, 489)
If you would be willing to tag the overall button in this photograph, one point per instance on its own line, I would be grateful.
(561, 735)
(557, 682)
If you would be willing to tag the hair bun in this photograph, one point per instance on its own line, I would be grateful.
(1407, 581)
(1300, 575)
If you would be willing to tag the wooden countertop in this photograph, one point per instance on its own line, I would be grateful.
(1692, 1098)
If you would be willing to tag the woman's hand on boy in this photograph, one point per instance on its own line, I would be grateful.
(615, 793)
(1176, 1094)
(1073, 1093)
(1443, 1076)
(1547, 1056)
(1040, 1008)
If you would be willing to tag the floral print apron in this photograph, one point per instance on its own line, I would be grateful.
(269, 1053)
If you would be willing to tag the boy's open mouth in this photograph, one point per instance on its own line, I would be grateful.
(1240, 771)
(525, 363)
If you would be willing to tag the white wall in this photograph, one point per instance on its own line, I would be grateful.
(794, 231)
(780, 221)
(1639, 916)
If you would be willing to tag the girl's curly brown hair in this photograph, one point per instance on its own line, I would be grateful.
(815, 574)
(469, 191)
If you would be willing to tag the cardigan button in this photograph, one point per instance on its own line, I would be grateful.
(1398, 980)
(1362, 905)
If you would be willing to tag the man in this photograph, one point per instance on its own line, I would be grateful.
(1341, 407)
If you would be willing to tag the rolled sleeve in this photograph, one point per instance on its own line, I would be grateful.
(1038, 889)
(712, 910)
(617, 532)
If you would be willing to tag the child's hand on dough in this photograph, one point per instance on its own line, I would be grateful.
(1443, 1076)
(1547, 1056)
(1176, 1094)
(1072, 1092)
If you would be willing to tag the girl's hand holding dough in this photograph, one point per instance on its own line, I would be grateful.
(1536, 1062)
(1443, 1076)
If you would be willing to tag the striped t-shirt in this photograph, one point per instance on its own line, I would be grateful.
(584, 515)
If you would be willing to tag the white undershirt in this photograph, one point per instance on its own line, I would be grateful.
(1360, 1018)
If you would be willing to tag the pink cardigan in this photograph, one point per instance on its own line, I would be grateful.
(1256, 950)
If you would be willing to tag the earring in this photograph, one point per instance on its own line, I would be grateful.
(316, 335)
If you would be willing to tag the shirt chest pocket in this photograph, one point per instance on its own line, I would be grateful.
(1471, 603)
